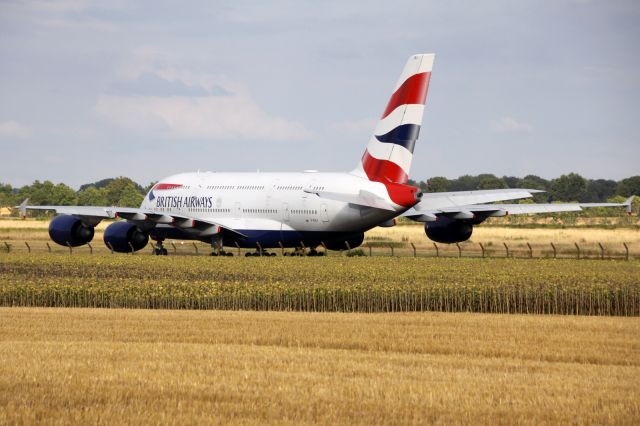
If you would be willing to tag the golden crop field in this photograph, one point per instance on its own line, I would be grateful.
(102, 366)
(333, 284)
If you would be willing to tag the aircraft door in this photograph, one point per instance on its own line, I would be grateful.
(324, 213)
(237, 211)
(285, 212)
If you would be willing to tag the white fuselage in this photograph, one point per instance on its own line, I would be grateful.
(271, 208)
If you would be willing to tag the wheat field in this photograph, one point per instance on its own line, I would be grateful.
(146, 367)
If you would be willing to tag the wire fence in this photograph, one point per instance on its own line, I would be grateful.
(491, 249)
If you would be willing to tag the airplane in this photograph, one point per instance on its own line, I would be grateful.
(304, 210)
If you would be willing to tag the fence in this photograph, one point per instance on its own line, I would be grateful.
(565, 250)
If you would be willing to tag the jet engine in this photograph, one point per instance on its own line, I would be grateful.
(68, 230)
(354, 240)
(123, 237)
(449, 231)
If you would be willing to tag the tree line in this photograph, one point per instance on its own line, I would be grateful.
(567, 188)
(124, 192)
(120, 192)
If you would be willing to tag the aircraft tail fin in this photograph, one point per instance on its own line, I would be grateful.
(390, 150)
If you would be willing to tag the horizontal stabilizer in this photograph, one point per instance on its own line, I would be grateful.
(362, 198)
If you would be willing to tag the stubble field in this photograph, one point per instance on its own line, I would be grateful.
(147, 367)
(375, 361)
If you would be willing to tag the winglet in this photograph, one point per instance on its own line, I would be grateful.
(627, 204)
(23, 208)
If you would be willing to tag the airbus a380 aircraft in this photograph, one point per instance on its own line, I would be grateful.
(308, 209)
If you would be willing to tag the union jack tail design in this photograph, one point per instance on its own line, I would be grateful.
(388, 156)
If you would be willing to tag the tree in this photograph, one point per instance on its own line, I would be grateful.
(571, 187)
(629, 186)
(438, 184)
(599, 190)
(98, 184)
(130, 197)
(7, 196)
(46, 193)
(92, 196)
(123, 192)
(512, 181)
(491, 182)
(464, 183)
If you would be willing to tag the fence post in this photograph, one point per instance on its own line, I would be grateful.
(90, 248)
(506, 247)
(48, 247)
(369, 246)
(391, 247)
(195, 247)
(437, 250)
(282, 247)
(346, 243)
(555, 251)
(259, 248)
(131, 247)
(459, 249)
(153, 247)
(238, 246)
(601, 251)
(70, 248)
(414, 250)
(482, 248)
(530, 250)
(578, 249)
(324, 246)
(626, 249)
(110, 247)
(8, 247)
(28, 247)
(175, 249)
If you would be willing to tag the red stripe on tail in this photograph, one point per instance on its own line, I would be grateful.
(382, 170)
(393, 178)
(412, 91)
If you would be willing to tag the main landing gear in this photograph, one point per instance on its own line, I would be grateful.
(260, 253)
(159, 249)
(217, 247)
(300, 251)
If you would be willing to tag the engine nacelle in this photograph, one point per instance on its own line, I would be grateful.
(354, 241)
(123, 236)
(448, 231)
(68, 230)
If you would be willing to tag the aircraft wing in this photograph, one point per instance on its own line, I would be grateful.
(471, 211)
(93, 215)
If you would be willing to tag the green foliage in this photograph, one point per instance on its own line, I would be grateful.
(629, 186)
(91, 196)
(7, 196)
(438, 184)
(47, 193)
(571, 187)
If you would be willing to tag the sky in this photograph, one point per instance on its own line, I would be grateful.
(144, 89)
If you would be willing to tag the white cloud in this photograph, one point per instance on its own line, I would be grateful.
(14, 130)
(223, 110)
(362, 128)
(510, 125)
(228, 117)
